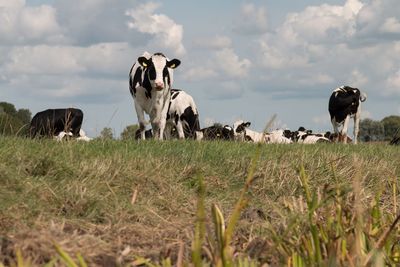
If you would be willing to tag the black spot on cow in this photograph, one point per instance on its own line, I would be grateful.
(218, 132)
(174, 95)
(192, 122)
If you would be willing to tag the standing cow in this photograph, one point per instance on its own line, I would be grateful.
(345, 102)
(150, 81)
(52, 122)
(182, 115)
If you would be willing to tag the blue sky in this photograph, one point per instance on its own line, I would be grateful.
(240, 59)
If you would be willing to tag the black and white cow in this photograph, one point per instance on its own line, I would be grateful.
(150, 81)
(182, 115)
(243, 133)
(52, 122)
(216, 132)
(304, 136)
(345, 102)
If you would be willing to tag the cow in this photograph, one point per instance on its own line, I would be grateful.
(51, 122)
(279, 136)
(216, 132)
(150, 81)
(344, 103)
(304, 136)
(182, 115)
(310, 138)
(242, 133)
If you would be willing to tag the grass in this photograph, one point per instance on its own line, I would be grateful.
(115, 202)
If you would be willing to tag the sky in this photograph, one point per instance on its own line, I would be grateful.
(239, 59)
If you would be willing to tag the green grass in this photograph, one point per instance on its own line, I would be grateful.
(78, 195)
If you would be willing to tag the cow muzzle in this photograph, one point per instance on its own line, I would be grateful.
(159, 86)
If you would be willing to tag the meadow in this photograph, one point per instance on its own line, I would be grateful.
(189, 203)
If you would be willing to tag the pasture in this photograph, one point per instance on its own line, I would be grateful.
(117, 203)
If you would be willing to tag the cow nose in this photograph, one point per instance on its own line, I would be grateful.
(159, 85)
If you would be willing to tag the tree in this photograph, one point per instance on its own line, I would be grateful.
(371, 130)
(129, 132)
(391, 125)
(8, 108)
(13, 121)
(24, 115)
(106, 134)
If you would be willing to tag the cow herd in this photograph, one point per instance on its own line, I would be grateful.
(173, 113)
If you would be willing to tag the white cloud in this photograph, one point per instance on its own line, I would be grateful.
(230, 63)
(217, 42)
(106, 58)
(165, 31)
(199, 73)
(391, 25)
(378, 21)
(324, 23)
(252, 20)
(276, 57)
(357, 79)
(12, 3)
(393, 84)
(20, 24)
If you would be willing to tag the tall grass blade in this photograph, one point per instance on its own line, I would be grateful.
(200, 225)
(65, 257)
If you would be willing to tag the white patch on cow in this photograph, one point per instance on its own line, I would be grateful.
(83, 137)
(61, 135)
(277, 137)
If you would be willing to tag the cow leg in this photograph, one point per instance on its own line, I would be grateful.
(343, 134)
(167, 131)
(356, 126)
(141, 120)
(335, 130)
(179, 128)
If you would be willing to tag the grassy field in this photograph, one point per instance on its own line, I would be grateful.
(117, 203)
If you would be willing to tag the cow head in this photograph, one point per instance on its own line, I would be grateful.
(239, 129)
(158, 70)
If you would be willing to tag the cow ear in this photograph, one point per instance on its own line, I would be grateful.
(173, 63)
(144, 62)
(247, 124)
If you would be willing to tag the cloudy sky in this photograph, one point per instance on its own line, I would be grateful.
(240, 59)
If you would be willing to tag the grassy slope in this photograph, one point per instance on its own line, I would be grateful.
(79, 194)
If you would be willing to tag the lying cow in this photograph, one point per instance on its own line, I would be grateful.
(278, 137)
(344, 103)
(215, 132)
(304, 136)
(150, 83)
(52, 122)
(243, 133)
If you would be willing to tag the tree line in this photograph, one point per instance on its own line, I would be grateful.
(16, 122)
